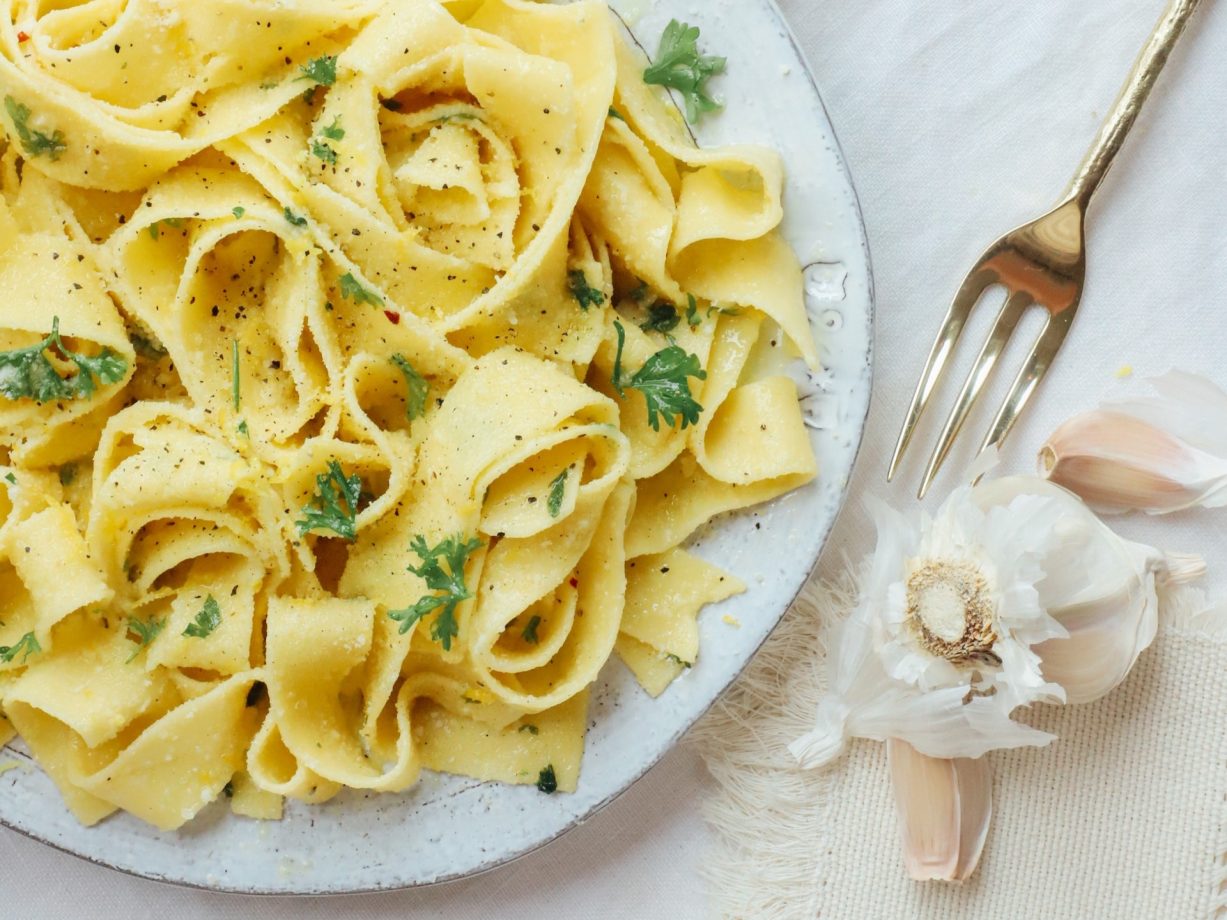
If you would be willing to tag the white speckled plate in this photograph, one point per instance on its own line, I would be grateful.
(449, 827)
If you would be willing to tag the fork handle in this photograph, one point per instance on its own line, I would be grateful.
(1132, 96)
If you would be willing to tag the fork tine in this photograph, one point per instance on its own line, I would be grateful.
(980, 374)
(952, 327)
(1028, 379)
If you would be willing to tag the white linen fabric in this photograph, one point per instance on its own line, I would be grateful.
(959, 120)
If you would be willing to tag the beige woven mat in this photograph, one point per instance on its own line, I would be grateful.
(1123, 817)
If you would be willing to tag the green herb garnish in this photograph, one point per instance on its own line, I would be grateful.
(26, 646)
(34, 143)
(528, 727)
(547, 781)
(455, 550)
(146, 347)
(662, 381)
(209, 618)
(25, 373)
(323, 150)
(679, 661)
(662, 317)
(238, 211)
(10, 478)
(322, 71)
(614, 113)
(679, 66)
(335, 504)
(352, 289)
(173, 222)
(529, 633)
(146, 631)
(577, 284)
(68, 473)
(558, 490)
(692, 311)
(296, 219)
(415, 401)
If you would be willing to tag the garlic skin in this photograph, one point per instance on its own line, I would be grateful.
(944, 807)
(1158, 454)
(1054, 607)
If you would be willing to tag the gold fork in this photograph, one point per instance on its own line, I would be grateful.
(1041, 263)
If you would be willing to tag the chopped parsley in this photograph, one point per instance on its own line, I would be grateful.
(547, 781)
(662, 381)
(528, 727)
(558, 491)
(692, 311)
(335, 504)
(26, 646)
(34, 143)
(10, 478)
(679, 66)
(662, 317)
(322, 71)
(529, 633)
(236, 382)
(243, 429)
(415, 401)
(155, 228)
(26, 373)
(68, 473)
(321, 148)
(296, 219)
(352, 289)
(586, 296)
(455, 550)
(614, 113)
(146, 631)
(146, 346)
(209, 618)
(679, 661)
(238, 211)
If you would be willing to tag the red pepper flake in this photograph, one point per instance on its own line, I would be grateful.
(574, 582)
(23, 37)
(393, 318)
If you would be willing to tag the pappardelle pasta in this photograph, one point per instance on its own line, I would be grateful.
(365, 366)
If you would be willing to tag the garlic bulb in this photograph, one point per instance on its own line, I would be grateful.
(945, 808)
(1156, 454)
(1013, 593)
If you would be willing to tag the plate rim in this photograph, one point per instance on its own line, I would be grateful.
(676, 737)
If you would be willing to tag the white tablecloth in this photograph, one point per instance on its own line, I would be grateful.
(959, 121)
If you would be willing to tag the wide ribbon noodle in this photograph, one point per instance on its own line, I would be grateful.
(365, 368)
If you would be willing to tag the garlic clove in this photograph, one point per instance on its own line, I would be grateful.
(945, 808)
(1116, 462)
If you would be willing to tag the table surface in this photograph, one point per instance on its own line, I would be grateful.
(959, 121)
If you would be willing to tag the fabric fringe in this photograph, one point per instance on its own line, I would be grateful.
(769, 818)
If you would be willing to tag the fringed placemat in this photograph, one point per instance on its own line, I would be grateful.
(1125, 816)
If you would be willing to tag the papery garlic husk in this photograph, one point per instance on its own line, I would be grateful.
(1157, 454)
(1013, 593)
(945, 807)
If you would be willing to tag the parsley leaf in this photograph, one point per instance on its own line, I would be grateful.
(26, 646)
(450, 581)
(25, 373)
(68, 474)
(614, 113)
(528, 727)
(154, 228)
(577, 284)
(334, 131)
(321, 71)
(558, 491)
(679, 66)
(547, 780)
(34, 143)
(296, 219)
(209, 618)
(146, 347)
(324, 150)
(692, 311)
(662, 317)
(662, 381)
(530, 631)
(10, 478)
(238, 211)
(679, 661)
(352, 289)
(329, 510)
(415, 401)
(146, 631)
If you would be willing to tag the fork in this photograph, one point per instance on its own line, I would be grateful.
(1041, 263)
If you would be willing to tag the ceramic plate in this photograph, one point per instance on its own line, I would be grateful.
(449, 827)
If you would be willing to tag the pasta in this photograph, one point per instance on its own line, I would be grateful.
(365, 366)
